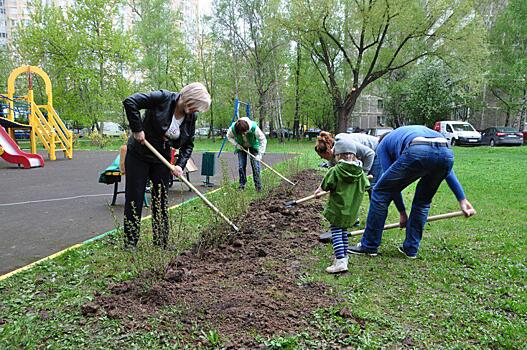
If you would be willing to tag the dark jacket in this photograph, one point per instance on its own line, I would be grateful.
(160, 106)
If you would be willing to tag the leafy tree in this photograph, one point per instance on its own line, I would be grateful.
(508, 75)
(354, 43)
(86, 55)
(422, 99)
(162, 48)
(247, 26)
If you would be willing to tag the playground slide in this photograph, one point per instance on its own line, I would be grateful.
(10, 151)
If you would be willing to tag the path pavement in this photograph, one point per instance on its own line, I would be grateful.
(44, 210)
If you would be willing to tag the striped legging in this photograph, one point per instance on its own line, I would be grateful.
(339, 236)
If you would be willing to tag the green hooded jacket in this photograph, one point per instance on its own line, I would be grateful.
(347, 184)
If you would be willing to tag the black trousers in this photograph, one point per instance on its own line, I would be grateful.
(138, 172)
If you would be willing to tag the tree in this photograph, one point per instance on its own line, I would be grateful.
(164, 61)
(248, 26)
(424, 98)
(508, 74)
(354, 43)
(84, 52)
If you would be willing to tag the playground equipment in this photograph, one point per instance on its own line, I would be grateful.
(10, 151)
(236, 116)
(43, 120)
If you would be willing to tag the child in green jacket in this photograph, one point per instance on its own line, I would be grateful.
(346, 183)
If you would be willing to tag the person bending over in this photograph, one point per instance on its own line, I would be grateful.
(408, 154)
(169, 121)
(245, 135)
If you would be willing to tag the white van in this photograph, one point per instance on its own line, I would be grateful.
(458, 132)
(111, 129)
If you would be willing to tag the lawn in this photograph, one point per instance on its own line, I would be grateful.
(467, 289)
(202, 144)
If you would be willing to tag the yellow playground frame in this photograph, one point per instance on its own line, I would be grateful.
(43, 119)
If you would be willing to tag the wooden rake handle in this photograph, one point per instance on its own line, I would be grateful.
(430, 219)
(305, 199)
(191, 186)
(268, 166)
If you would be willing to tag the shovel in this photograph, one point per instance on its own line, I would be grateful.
(326, 237)
(191, 186)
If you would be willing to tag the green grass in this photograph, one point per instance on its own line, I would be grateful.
(201, 144)
(467, 289)
(41, 307)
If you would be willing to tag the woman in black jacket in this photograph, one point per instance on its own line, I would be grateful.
(169, 121)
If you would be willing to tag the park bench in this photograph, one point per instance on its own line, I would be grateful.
(113, 173)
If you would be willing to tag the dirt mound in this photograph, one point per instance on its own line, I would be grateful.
(246, 287)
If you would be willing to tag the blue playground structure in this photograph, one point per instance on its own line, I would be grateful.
(237, 103)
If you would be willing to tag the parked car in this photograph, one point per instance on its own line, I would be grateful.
(110, 129)
(311, 132)
(286, 132)
(501, 135)
(84, 132)
(379, 131)
(353, 129)
(22, 134)
(202, 131)
(458, 132)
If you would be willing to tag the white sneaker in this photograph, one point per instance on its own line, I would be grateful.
(339, 265)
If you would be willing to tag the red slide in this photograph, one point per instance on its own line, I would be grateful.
(10, 151)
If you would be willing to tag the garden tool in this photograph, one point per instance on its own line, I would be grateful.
(326, 237)
(302, 200)
(268, 166)
(191, 186)
(430, 219)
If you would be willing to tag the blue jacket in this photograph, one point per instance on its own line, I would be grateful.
(392, 146)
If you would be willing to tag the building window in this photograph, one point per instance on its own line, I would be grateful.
(3, 35)
(380, 104)
(380, 120)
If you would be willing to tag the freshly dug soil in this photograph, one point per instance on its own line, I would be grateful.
(247, 286)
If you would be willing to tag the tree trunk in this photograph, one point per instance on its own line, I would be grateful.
(345, 111)
(507, 117)
(296, 122)
(522, 112)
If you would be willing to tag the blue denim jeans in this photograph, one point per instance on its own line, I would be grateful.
(375, 171)
(255, 165)
(429, 163)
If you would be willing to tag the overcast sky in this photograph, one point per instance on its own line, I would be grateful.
(205, 7)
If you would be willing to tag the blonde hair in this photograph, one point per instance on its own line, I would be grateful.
(197, 95)
(350, 157)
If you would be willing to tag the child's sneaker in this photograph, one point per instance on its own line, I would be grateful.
(339, 265)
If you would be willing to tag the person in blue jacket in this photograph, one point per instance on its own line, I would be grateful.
(407, 154)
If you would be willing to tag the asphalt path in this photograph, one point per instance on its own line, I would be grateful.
(45, 210)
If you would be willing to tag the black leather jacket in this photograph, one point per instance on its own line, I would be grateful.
(160, 106)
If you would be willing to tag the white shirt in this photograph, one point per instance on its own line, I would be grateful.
(173, 131)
